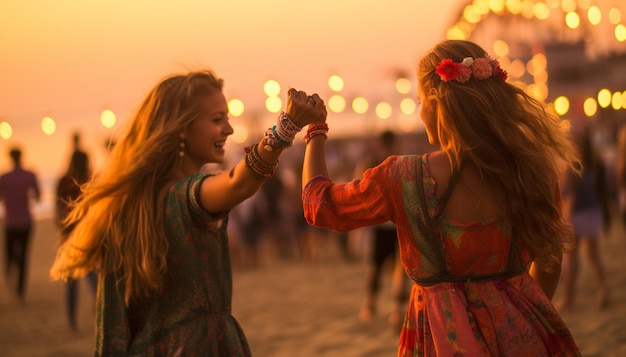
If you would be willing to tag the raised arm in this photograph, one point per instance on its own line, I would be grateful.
(315, 152)
(226, 190)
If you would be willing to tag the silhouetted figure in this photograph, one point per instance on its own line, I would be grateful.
(620, 171)
(583, 199)
(17, 188)
(384, 247)
(67, 192)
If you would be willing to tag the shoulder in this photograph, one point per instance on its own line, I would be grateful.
(189, 181)
(396, 166)
(184, 193)
(438, 166)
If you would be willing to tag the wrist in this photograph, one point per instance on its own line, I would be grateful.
(281, 135)
(317, 129)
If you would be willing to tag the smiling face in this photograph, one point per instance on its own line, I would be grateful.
(206, 135)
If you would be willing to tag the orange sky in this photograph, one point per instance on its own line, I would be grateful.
(72, 59)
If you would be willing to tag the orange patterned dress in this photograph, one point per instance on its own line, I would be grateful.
(483, 303)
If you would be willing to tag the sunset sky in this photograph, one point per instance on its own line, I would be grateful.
(71, 59)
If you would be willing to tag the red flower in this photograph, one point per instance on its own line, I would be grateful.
(502, 74)
(497, 70)
(447, 69)
(465, 73)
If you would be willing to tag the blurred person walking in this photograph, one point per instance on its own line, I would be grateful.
(583, 204)
(155, 226)
(18, 189)
(384, 246)
(620, 172)
(68, 191)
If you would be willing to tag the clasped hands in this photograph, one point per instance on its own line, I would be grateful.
(305, 109)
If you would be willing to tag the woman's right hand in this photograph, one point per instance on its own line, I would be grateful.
(305, 109)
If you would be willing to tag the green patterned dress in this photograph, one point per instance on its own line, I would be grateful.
(192, 316)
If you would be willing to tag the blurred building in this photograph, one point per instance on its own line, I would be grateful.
(569, 53)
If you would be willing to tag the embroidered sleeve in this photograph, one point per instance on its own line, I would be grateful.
(358, 203)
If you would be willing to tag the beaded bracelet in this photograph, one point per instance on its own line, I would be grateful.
(271, 141)
(318, 128)
(257, 167)
(282, 134)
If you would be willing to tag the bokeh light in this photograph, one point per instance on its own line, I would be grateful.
(500, 48)
(360, 105)
(471, 14)
(335, 83)
(541, 10)
(561, 105)
(538, 90)
(514, 6)
(48, 125)
(496, 5)
(273, 104)
(383, 110)
(271, 88)
(615, 16)
(6, 131)
(620, 33)
(403, 85)
(455, 33)
(594, 15)
(407, 106)
(108, 118)
(236, 107)
(590, 107)
(572, 20)
(337, 103)
(604, 98)
(517, 68)
(617, 100)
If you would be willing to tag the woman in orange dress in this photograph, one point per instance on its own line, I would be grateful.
(479, 222)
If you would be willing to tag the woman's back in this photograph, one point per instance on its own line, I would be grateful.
(471, 199)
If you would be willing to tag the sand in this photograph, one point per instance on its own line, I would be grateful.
(291, 308)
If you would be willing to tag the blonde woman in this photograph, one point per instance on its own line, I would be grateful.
(155, 227)
(480, 227)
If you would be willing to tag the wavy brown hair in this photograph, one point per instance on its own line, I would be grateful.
(515, 142)
(119, 217)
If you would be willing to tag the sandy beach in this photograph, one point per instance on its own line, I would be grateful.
(308, 309)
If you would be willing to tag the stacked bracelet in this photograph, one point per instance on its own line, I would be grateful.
(258, 168)
(282, 134)
(318, 128)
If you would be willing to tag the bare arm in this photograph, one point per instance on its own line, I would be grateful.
(314, 159)
(226, 190)
(315, 155)
(547, 280)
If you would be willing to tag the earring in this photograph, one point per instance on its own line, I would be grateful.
(181, 153)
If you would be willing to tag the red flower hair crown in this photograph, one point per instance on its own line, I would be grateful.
(480, 68)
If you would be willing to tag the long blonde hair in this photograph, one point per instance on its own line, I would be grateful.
(514, 141)
(119, 217)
